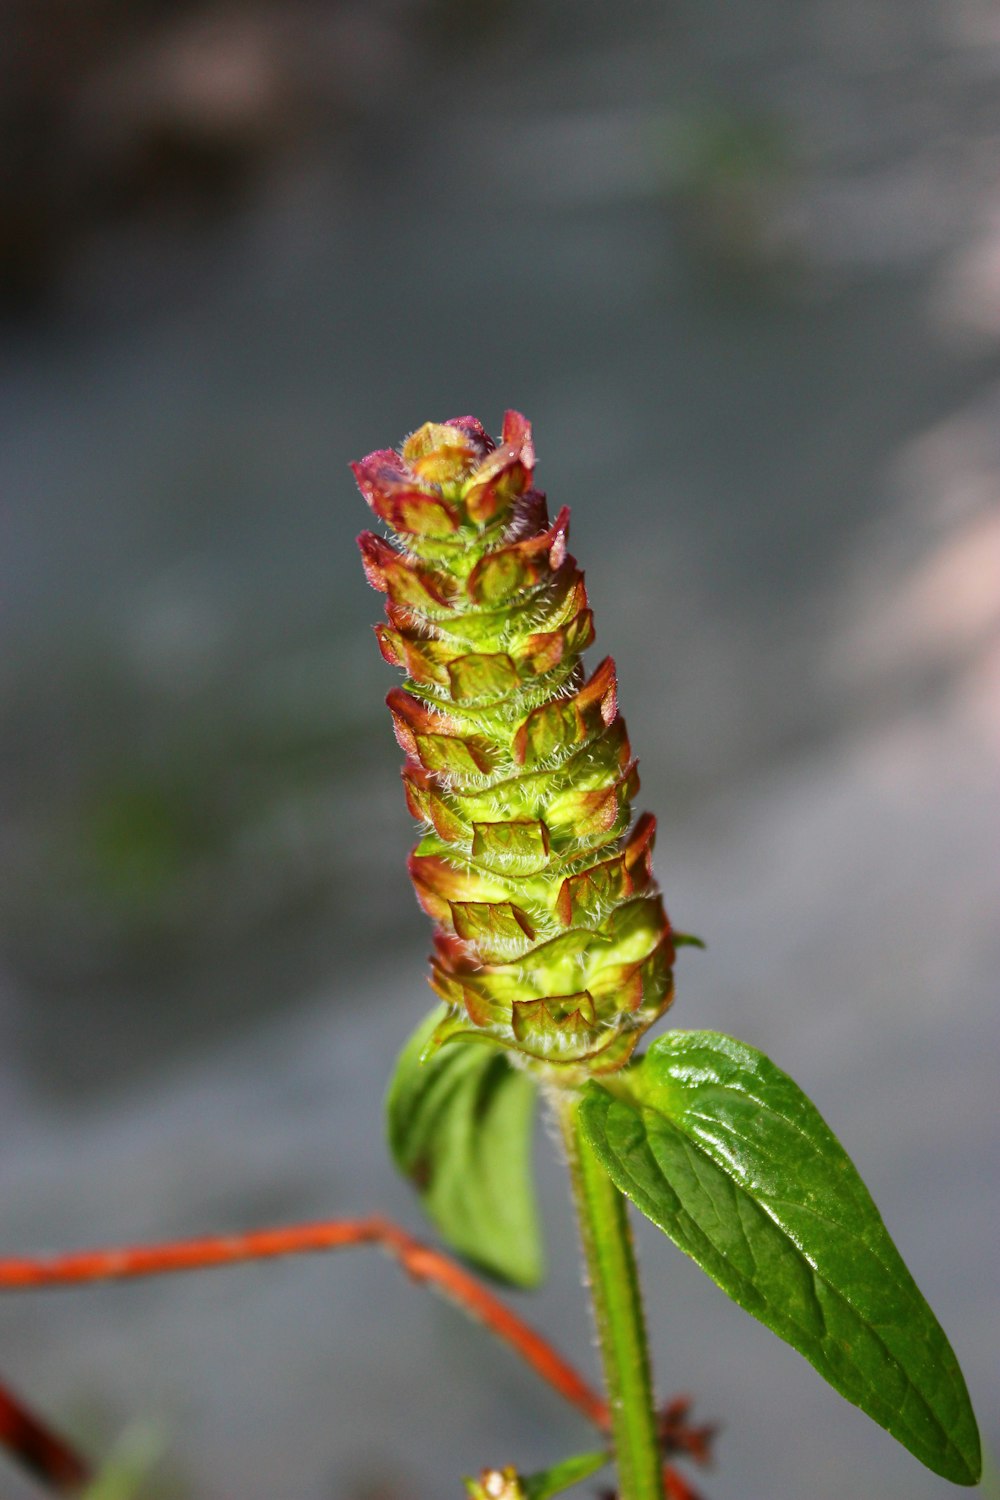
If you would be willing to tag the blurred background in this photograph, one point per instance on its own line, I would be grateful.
(741, 267)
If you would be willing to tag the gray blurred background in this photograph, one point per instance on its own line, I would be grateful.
(740, 264)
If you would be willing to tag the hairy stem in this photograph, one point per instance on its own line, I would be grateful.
(618, 1314)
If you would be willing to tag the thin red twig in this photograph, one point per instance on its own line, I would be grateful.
(420, 1261)
(54, 1461)
(42, 1452)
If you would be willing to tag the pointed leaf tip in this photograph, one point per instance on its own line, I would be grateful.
(729, 1158)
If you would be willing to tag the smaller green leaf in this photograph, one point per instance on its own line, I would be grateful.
(460, 1128)
(508, 1484)
(564, 1475)
(730, 1159)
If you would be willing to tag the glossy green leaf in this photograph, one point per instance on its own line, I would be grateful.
(460, 1128)
(727, 1155)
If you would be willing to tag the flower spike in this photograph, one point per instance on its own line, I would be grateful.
(551, 938)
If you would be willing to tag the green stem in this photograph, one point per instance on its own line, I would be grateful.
(618, 1314)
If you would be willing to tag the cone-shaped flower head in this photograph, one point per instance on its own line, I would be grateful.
(550, 937)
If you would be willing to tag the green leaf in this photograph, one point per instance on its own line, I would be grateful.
(564, 1475)
(508, 1484)
(727, 1155)
(460, 1127)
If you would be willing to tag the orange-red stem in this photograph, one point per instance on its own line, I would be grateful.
(420, 1261)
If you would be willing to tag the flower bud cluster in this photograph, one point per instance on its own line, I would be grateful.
(550, 935)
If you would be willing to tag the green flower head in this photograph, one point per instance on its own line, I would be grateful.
(550, 935)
